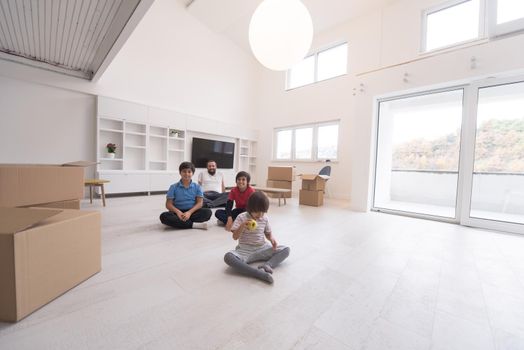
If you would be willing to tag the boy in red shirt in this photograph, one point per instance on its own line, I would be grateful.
(239, 196)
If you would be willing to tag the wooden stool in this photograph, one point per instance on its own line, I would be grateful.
(96, 183)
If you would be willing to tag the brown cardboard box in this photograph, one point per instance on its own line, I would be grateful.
(28, 184)
(72, 204)
(313, 198)
(288, 185)
(314, 182)
(43, 254)
(283, 173)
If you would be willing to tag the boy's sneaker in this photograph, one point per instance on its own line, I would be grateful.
(220, 223)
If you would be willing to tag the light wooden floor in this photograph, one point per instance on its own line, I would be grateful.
(352, 281)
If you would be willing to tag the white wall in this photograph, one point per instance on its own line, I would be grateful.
(39, 124)
(170, 61)
(383, 46)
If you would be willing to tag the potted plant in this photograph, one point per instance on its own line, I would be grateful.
(111, 149)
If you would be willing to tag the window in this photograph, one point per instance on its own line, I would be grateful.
(321, 65)
(458, 21)
(505, 16)
(307, 142)
(452, 23)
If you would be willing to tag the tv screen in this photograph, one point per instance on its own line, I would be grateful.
(221, 152)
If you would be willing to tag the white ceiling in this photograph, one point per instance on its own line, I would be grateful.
(231, 17)
(74, 37)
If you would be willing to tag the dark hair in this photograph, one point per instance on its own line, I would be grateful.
(257, 202)
(186, 165)
(243, 174)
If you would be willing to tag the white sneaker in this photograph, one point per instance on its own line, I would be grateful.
(220, 223)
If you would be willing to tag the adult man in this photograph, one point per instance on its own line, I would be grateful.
(212, 183)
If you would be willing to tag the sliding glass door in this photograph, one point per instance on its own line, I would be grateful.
(418, 146)
(454, 155)
(497, 179)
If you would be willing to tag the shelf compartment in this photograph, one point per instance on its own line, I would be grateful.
(135, 158)
(157, 131)
(135, 128)
(135, 140)
(111, 124)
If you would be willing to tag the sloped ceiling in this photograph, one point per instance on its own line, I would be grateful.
(231, 17)
(73, 37)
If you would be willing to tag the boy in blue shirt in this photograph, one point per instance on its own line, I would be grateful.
(184, 201)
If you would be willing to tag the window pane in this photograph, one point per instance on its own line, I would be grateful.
(453, 25)
(284, 144)
(327, 142)
(303, 143)
(509, 10)
(498, 177)
(332, 62)
(418, 153)
(302, 73)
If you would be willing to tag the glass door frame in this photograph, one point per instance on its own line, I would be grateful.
(467, 158)
(375, 141)
(466, 155)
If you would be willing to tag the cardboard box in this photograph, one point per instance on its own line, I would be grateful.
(313, 198)
(288, 185)
(28, 184)
(43, 254)
(72, 204)
(314, 182)
(283, 173)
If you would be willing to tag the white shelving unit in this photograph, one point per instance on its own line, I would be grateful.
(247, 157)
(150, 144)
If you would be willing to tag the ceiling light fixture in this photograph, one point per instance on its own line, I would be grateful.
(280, 33)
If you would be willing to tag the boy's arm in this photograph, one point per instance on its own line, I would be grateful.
(229, 206)
(199, 201)
(200, 177)
(171, 207)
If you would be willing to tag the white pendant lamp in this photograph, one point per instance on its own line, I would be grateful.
(280, 33)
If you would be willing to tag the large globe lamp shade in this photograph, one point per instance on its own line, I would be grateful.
(280, 33)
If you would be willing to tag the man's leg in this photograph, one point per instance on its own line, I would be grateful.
(220, 200)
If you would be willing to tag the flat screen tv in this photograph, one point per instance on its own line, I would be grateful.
(202, 150)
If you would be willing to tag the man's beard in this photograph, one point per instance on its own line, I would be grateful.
(211, 171)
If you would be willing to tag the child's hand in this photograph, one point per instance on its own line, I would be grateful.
(274, 243)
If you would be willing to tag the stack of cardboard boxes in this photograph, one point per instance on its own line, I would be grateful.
(312, 192)
(44, 252)
(280, 177)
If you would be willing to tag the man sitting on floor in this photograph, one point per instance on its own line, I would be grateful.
(212, 183)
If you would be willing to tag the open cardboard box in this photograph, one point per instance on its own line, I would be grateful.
(314, 182)
(44, 253)
(29, 184)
